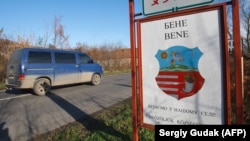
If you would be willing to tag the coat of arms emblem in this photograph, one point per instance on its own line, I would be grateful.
(179, 73)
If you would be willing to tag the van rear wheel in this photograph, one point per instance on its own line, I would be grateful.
(96, 79)
(41, 86)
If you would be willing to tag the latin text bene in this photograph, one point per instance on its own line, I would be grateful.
(176, 34)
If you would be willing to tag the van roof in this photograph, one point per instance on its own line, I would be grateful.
(47, 49)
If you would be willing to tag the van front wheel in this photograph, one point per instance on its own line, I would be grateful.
(41, 86)
(96, 79)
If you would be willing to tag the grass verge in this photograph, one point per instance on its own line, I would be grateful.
(106, 73)
(2, 86)
(112, 124)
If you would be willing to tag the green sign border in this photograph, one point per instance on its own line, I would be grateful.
(174, 8)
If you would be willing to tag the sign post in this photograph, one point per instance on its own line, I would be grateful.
(237, 61)
(133, 71)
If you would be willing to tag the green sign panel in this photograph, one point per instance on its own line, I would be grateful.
(151, 7)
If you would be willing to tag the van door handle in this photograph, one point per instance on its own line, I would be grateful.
(77, 66)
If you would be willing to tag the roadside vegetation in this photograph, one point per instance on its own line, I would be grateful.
(2, 86)
(112, 124)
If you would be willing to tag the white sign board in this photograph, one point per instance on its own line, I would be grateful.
(181, 69)
(159, 6)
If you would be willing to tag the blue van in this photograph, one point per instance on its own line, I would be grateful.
(40, 69)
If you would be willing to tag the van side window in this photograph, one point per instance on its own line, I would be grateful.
(65, 58)
(85, 59)
(39, 57)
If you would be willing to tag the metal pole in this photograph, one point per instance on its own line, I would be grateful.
(133, 70)
(237, 61)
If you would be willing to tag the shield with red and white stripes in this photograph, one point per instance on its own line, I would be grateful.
(179, 74)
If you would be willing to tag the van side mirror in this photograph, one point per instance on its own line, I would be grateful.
(90, 61)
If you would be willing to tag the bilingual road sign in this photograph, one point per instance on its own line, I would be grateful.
(182, 67)
(159, 6)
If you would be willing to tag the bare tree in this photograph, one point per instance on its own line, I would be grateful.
(1, 32)
(22, 41)
(42, 40)
(60, 39)
(245, 20)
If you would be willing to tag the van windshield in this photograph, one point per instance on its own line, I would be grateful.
(16, 57)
